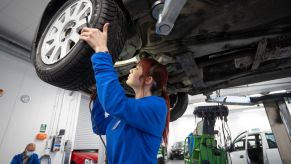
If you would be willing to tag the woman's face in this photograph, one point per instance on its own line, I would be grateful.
(134, 79)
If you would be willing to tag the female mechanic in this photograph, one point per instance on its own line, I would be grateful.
(135, 127)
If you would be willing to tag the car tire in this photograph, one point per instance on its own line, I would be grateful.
(161, 160)
(179, 103)
(73, 70)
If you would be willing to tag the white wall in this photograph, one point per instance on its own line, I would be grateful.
(85, 138)
(20, 122)
(253, 117)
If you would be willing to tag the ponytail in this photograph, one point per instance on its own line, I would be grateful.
(151, 67)
(166, 129)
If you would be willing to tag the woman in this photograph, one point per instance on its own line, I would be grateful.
(135, 126)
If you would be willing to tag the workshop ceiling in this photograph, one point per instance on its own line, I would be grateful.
(19, 19)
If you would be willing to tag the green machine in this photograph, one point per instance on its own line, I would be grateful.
(201, 147)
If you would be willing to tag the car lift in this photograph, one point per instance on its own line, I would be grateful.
(277, 113)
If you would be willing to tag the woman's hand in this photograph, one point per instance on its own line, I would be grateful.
(95, 38)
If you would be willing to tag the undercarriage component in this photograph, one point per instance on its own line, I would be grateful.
(259, 54)
(135, 59)
(168, 16)
(191, 69)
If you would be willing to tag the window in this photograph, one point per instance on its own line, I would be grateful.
(239, 144)
(254, 141)
(178, 145)
(271, 140)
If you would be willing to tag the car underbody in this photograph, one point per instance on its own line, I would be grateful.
(218, 44)
(212, 45)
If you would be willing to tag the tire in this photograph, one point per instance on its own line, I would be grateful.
(72, 69)
(161, 160)
(179, 103)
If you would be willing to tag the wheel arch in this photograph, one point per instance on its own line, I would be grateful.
(135, 8)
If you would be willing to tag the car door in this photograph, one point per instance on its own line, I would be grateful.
(271, 149)
(238, 153)
(254, 148)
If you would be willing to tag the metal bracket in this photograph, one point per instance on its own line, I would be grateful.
(243, 100)
(259, 54)
(230, 100)
(190, 67)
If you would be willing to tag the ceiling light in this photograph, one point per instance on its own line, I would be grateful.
(280, 91)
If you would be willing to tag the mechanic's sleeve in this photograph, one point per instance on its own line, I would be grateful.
(13, 160)
(98, 119)
(34, 159)
(147, 114)
(16, 159)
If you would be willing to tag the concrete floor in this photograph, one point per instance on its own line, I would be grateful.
(174, 161)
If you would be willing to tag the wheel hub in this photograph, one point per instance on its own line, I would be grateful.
(67, 31)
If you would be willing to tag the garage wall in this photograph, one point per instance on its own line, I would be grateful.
(20, 122)
(248, 118)
(85, 138)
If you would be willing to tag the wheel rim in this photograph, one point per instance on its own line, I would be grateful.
(63, 33)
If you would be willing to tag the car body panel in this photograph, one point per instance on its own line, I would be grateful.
(273, 156)
(239, 155)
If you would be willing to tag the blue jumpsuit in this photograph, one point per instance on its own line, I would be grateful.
(17, 159)
(133, 127)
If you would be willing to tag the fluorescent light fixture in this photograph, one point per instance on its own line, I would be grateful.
(280, 91)
(255, 95)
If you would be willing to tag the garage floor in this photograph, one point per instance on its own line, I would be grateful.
(175, 162)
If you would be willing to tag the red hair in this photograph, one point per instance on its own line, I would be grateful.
(159, 73)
